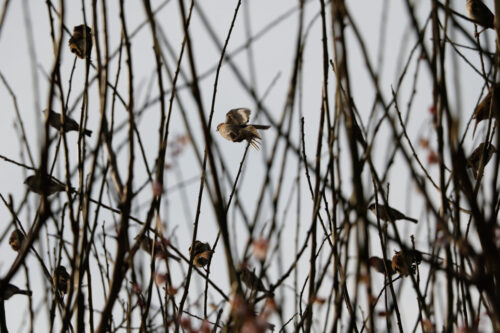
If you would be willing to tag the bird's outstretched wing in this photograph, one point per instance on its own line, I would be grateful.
(238, 116)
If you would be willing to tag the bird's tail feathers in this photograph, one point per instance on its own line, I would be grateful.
(254, 143)
(25, 292)
(261, 127)
(411, 219)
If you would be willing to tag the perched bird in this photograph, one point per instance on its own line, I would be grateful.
(475, 157)
(160, 249)
(482, 111)
(69, 124)
(246, 319)
(480, 14)
(11, 290)
(237, 129)
(201, 252)
(387, 213)
(378, 264)
(406, 264)
(16, 240)
(251, 280)
(80, 42)
(34, 183)
(61, 279)
(414, 256)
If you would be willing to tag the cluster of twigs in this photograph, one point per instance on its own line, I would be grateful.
(311, 256)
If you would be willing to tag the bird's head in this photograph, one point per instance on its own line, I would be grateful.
(372, 206)
(218, 126)
(79, 29)
(372, 261)
(29, 180)
(196, 244)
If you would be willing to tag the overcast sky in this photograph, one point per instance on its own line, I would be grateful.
(26, 71)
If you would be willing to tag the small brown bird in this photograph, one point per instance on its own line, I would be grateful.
(387, 213)
(202, 253)
(16, 240)
(34, 183)
(481, 14)
(378, 264)
(61, 279)
(11, 290)
(406, 264)
(475, 157)
(69, 124)
(237, 129)
(251, 280)
(160, 248)
(482, 111)
(80, 42)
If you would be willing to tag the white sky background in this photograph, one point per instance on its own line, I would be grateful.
(274, 54)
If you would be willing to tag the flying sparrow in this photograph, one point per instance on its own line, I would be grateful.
(482, 111)
(11, 290)
(237, 129)
(160, 249)
(61, 279)
(69, 124)
(378, 264)
(251, 280)
(406, 264)
(34, 183)
(387, 213)
(80, 42)
(201, 252)
(480, 14)
(475, 157)
(16, 240)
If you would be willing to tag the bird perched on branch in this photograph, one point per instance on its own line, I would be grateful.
(160, 248)
(475, 157)
(480, 14)
(201, 252)
(406, 263)
(16, 240)
(11, 290)
(251, 280)
(80, 42)
(387, 213)
(237, 129)
(34, 183)
(61, 279)
(378, 264)
(69, 124)
(482, 111)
